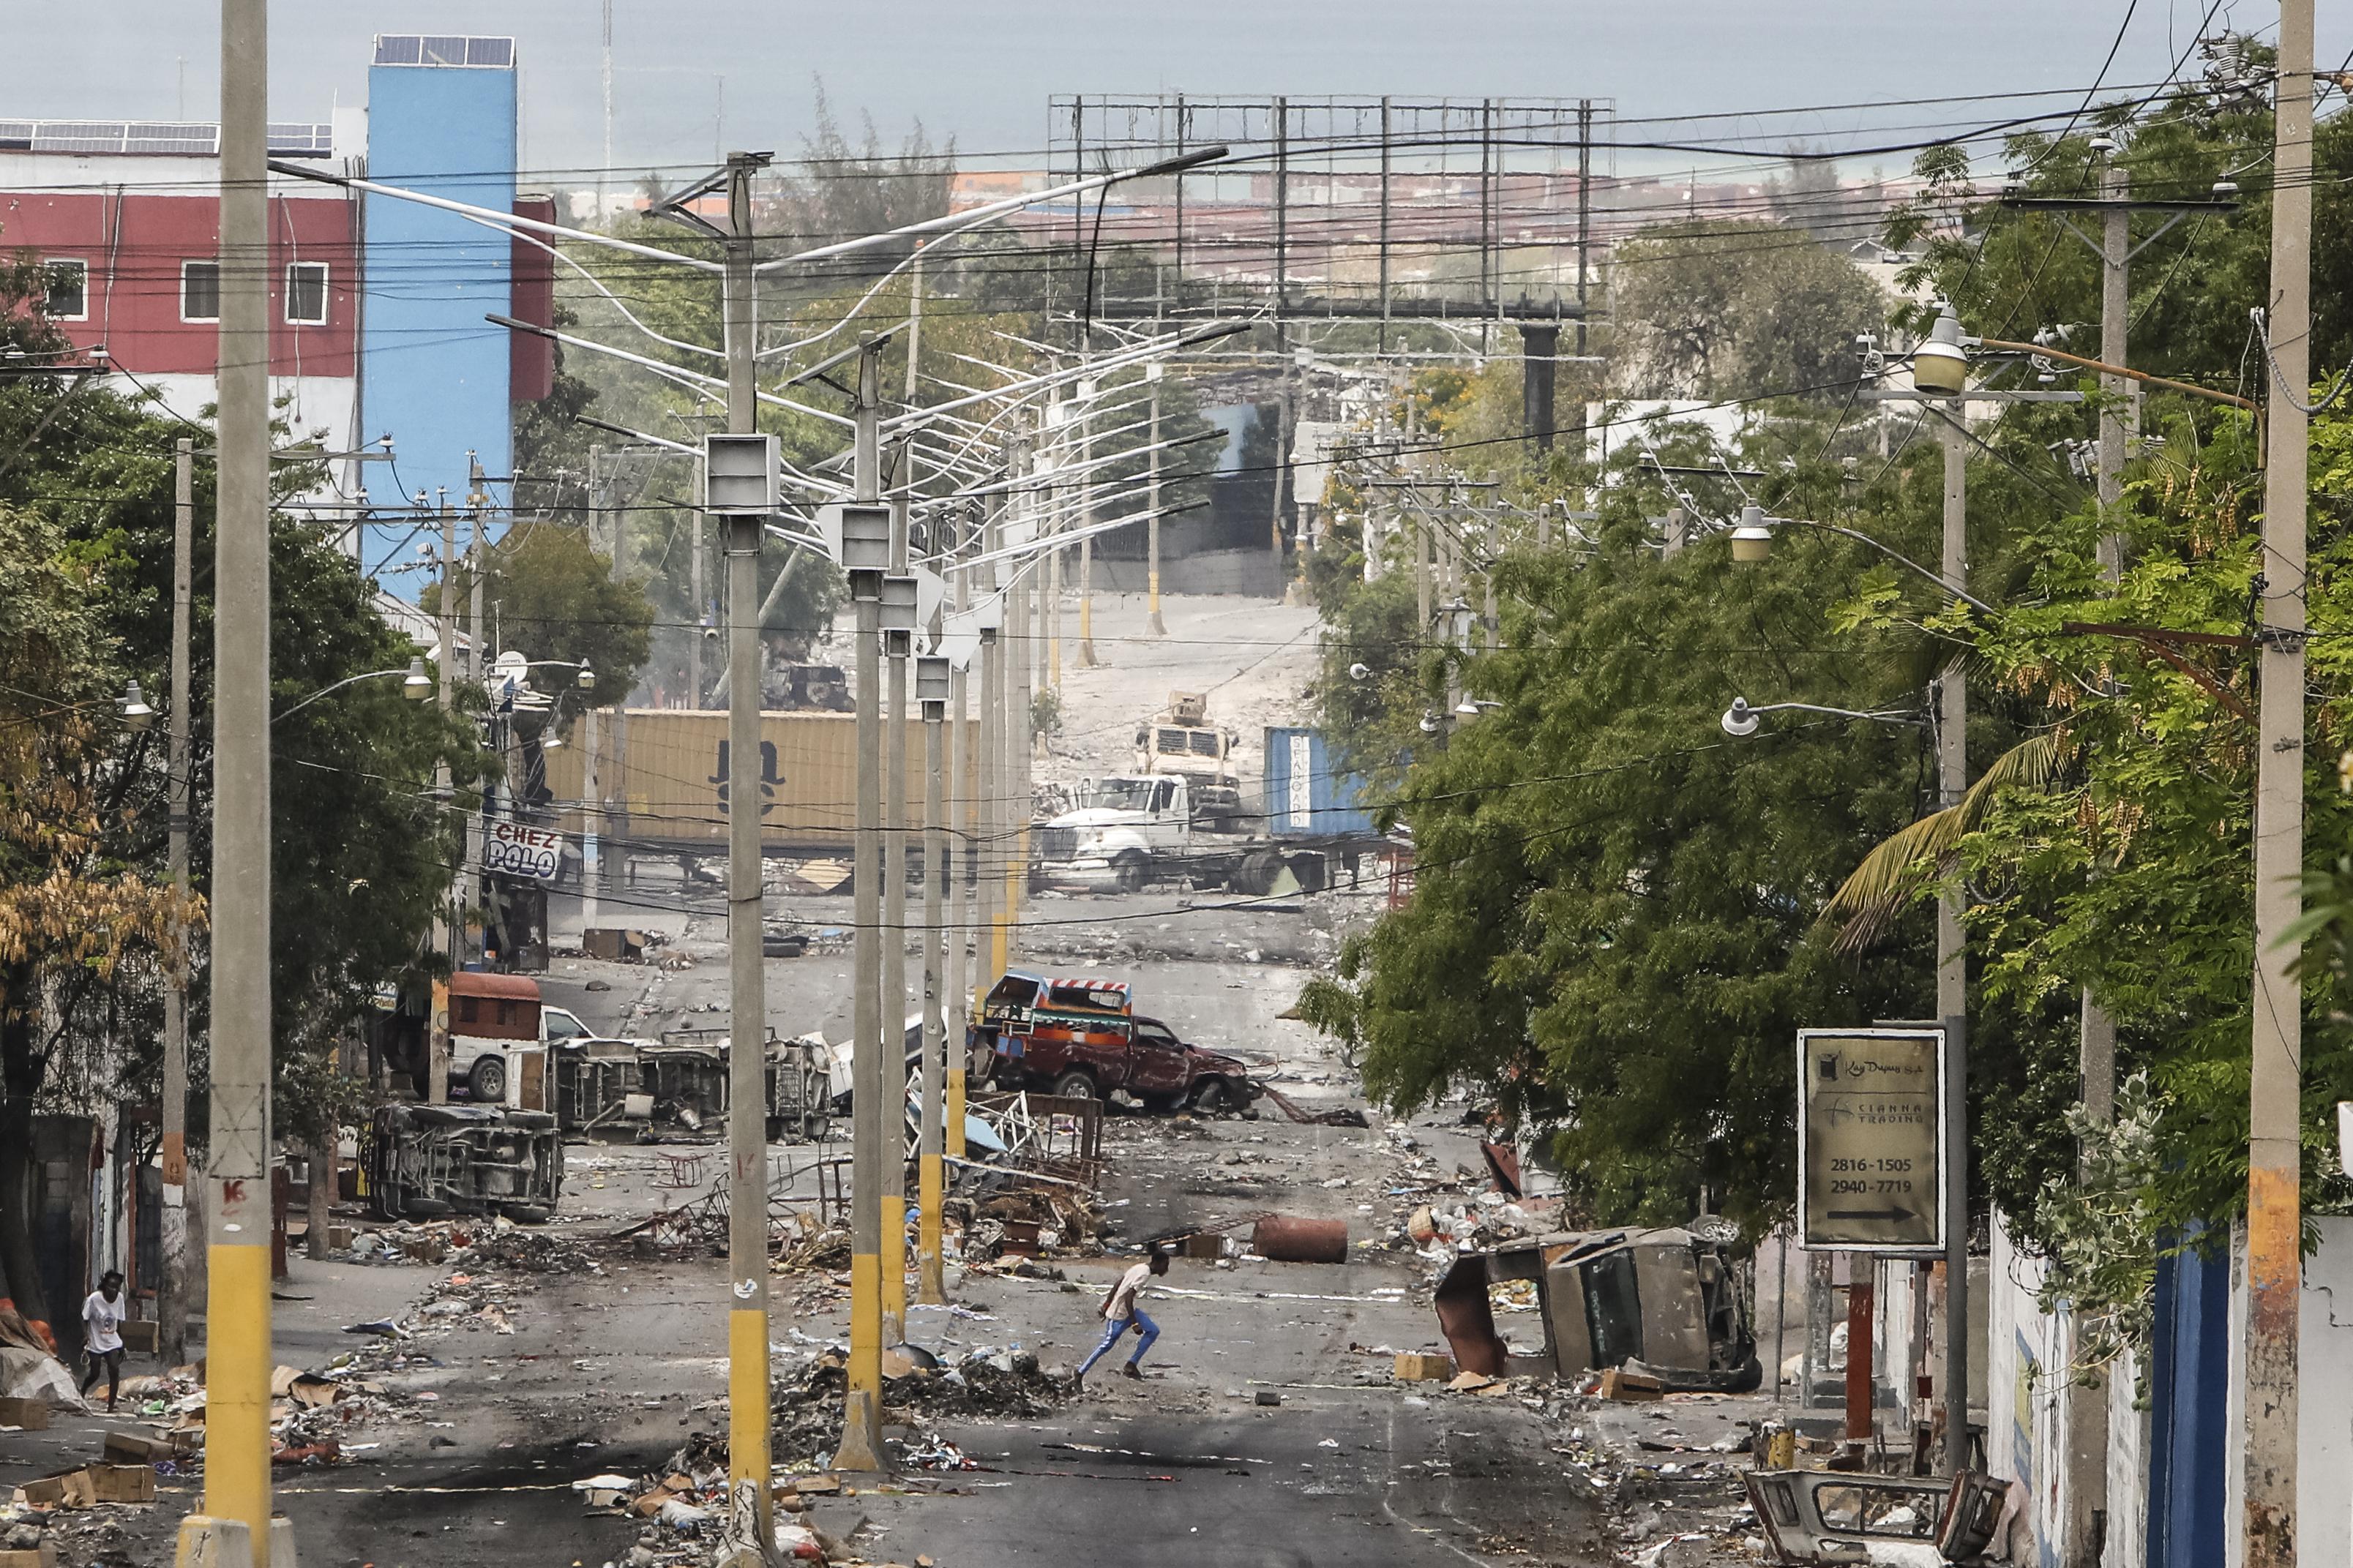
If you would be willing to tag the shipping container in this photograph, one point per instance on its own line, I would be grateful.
(1305, 794)
(662, 775)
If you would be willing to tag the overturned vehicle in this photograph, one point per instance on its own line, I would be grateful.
(426, 1160)
(1664, 1302)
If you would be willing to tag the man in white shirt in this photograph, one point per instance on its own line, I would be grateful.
(1121, 1313)
(101, 1316)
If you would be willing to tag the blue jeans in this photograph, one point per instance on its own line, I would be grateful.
(1147, 1331)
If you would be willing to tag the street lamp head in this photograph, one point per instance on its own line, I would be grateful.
(1429, 724)
(1940, 365)
(2225, 189)
(2104, 144)
(417, 686)
(1752, 540)
(1737, 721)
(1360, 671)
(135, 711)
(587, 678)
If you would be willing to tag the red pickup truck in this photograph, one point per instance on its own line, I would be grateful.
(1082, 1037)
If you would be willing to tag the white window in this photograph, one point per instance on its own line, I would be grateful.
(69, 295)
(200, 290)
(306, 293)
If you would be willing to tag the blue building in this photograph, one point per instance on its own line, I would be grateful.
(435, 375)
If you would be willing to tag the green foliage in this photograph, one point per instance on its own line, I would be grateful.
(2100, 1235)
(552, 596)
(1614, 931)
(1736, 309)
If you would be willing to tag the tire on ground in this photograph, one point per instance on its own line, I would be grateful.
(1076, 1085)
(1211, 1094)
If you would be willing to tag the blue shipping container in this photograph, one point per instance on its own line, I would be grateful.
(1303, 794)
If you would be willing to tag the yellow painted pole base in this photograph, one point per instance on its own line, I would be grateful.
(955, 1128)
(861, 1426)
(862, 1412)
(747, 1424)
(894, 1269)
(931, 1278)
(236, 1392)
(208, 1542)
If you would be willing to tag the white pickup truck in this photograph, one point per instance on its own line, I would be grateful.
(491, 1018)
(1131, 831)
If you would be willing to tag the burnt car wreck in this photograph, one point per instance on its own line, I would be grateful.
(1825, 1517)
(1664, 1303)
(427, 1160)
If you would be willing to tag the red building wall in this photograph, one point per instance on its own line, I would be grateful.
(134, 245)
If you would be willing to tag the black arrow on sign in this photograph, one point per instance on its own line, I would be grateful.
(1898, 1215)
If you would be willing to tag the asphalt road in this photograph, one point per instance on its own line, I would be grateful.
(613, 1371)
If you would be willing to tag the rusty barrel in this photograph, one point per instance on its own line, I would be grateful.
(1287, 1240)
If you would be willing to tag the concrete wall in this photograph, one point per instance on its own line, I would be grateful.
(2324, 1481)
(435, 375)
(2027, 1394)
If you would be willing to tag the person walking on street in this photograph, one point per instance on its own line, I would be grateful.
(101, 1316)
(1121, 1312)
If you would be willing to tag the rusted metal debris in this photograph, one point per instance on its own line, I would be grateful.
(1283, 1239)
(1342, 1116)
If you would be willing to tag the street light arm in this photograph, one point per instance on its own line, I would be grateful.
(1963, 594)
(330, 690)
(2045, 352)
(1877, 715)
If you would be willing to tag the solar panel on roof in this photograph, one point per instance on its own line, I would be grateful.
(301, 141)
(442, 52)
(171, 139)
(498, 52)
(396, 49)
(79, 136)
(16, 134)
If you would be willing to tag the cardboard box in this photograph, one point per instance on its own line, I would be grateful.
(136, 1448)
(72, 1490)
(140, 1334)
(1620, 1384)
(32, 1414)
(42, 1556)
(1412, 1367)
(122, 1483)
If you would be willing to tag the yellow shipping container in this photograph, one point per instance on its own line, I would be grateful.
(662, 774)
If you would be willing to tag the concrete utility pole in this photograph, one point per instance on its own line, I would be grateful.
(898, 645)
(695, 629)
(236, 1326)
(171, 1299)
(605, 173)
(995, 764)
(1086, 540)
(861, 1429)
(749, 1522)
(2275, 1194)
(453, 939)
(1151, 376)
(1952, 963)
(962, 916)
(932, 690)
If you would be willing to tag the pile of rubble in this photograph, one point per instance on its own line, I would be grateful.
(1001, 1385)
(480, 1241)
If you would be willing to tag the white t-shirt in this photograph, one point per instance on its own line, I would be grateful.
(102, 1315)
(1123, 1299)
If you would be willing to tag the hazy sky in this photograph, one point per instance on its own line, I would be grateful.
(693, 74)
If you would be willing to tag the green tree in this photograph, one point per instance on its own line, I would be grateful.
(360, 850)
(1613, 927)
(1736, 309)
